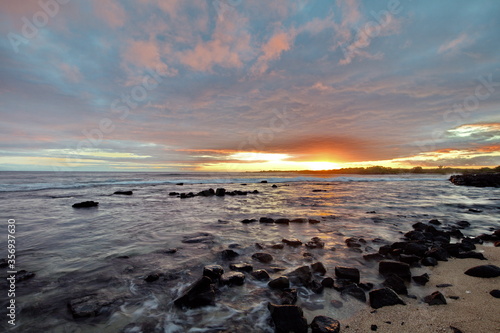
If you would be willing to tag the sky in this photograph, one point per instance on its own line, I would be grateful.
(239, 85)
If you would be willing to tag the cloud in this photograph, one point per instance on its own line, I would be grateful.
(271, 50)
(453, 46)
(110, 12)
(72, 73)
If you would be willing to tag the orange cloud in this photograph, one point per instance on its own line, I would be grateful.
(272, 50)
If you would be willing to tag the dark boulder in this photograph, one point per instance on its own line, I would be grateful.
(152, 277)
(279, 283)
(201, 293)
(437, 253)
(415, 249)
(384, 297)
(220, 192)
(319, 268)
(348, 273)
(355, 291)
(260, 275)
(242, 267)
(409, 259)
(173, 193)
(435, 222)
(288, 318)
(396, 283)
(373, 256)
(401, 269)
(352, 242)
(323, 324)
(124, 192)
(262, 257)
(86, 204)
(470, 255)
(214, 272)
(415, 235)
(436, 298)
(336, 304)
(315, 243)
(484, 271)
(463, 224)
(263, 181)
(87, 306)
(328, 282)
(282, 221)
(316, 287)
(292, 242)
(495, 293)
(302, 276)
(313, 221)
(288, 296)
(228, 254)
(429, 261)
(266, 220)
(274, 186)
(421, 279)
(478, 180)
(246, 221)
(233, 279)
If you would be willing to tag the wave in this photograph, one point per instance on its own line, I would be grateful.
(214, 181)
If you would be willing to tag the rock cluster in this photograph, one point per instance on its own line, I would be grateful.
(478, 180)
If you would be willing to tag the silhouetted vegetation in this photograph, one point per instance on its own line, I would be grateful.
(380, 170)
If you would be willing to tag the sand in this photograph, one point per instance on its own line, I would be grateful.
(476, 311)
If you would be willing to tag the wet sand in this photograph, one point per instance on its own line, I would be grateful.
(474, 311)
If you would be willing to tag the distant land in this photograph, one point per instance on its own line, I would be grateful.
(380, 170)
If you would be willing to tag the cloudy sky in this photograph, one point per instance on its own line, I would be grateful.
(229, 85)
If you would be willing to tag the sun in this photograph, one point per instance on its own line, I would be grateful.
(317, 166)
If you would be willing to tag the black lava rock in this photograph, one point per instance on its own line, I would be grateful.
(124, 192)
(262, 257)
(328, 282)
(436, 298)
(355, 291)
(233, 279)
(201, 293)
(288, 318)
(323, 324)
(229, 254)
(495, 293)
(421, 279)
(401, 269)
(429, 261)
(396, 283)
(87, 306)
(243, 267)
(384, 297)
(279, 283)
(348, 273)
(319, 268)
(214, 272)
(302, 276)
(484, 271)
(260, 275)
(86, 204)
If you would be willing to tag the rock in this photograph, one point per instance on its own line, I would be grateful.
(463, 224)
(233, 279)
(478, 180)
(220, 192)
(214, 272)
(173, 193)
(246, 221)
(228, 254)
(152, 277)
(384, 250)
(455, 330)
(336, 304)
(401, 269)
(348, 273)
(207, 193)
(315, 243)
(373, 256)
(277, 246)
(428, 261)
(124, 192)
(444, 285)
(396, 283)
(280, 283)
(436, 298)
(87, 306)
(373, 327)
(169, 251)
(288, 318)
(288, 296)
(263, 181)
(470, 255)
(421, 279)
(24, 275)
(201, 293)
(409, 259)
(242, 267)
(282, 221)
(384, 297)
(438, 253)
(319, 268)
(435, 222)
(366, 286)
(355, 291)
(323, 324)
(328, 282)
(180, 184)
(415, 249)
(86, 204)
(415, 235)
(261, 275)
(292, 242)
(313, 221)
(302, 276)
(299, 220)
(200, 237)
(266, 220)
(352, 242)
(262, 257)
(484, 271)
(473, 210)
(274, 186)
(495, 293)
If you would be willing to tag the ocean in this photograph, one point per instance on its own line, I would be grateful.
(106, 252)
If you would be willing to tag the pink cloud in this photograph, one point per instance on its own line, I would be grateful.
(453, 46)
(111, 12)
(272, 50)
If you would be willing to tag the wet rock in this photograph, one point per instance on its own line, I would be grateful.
(288, 318)
(263, 181)
(288, 296)
(220, 192)
(313, 221)
(86, 204)
(277, 246)
(24, 275)
(282, 221)
(200, 237)
(152, 277)
(246, 221)
(315, 243)
(173, 193)
(292, 242)
(415, 235)
(352, 242)
(396, 283)
(421, 279)
(87, 306)
(260, 246)
(124, 192)
(348, 273)
(214, 272)
(262, 257)
(478, 180)
(373, 327)
(484, 271)
(415, 249)
(384, 250)
(384, 297)
(266, 220)
(187, 195)
(470, 255)
(279, 283)
(438, 253)
(366, 286)
(241, 267)
(373, 256)
(435, 222)
(261, 275)
(328, 282)
(180, 184)
(474, 210)
(444, 285)
(463, 224)
(319, 268)
(201, 293)
(436, 298)
(401, 269)
(336, 304)
(233, 279)
(302, 276)
(495, 293)
(228, 254)
(355, 291)
(323, 324)
(429, 261)
(299, 220)
(409, 259)
(274, 186)
(316, 287)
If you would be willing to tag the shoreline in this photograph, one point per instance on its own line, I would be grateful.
(474, 311)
